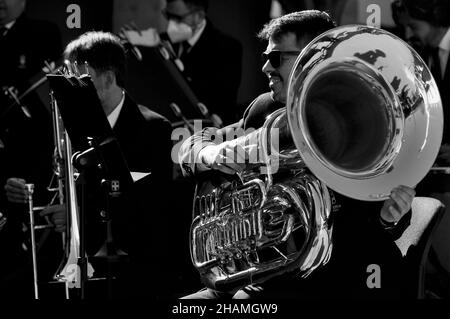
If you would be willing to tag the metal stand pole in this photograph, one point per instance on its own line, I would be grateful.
(30, 190)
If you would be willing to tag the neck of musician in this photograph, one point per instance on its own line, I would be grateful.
(113, 99)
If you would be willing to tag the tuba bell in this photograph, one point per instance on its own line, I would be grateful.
(363, 115)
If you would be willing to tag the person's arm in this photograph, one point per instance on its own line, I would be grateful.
(395, 215)
(208, 149)
(374, 219)
(188, 154)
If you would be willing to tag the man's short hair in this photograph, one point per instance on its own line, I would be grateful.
(103, 51)
(306, 25)
(435, 12)
(195, 4)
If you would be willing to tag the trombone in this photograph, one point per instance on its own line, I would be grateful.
(30, 190)
(58, 159)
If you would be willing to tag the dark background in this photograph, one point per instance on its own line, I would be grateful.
(240, 19)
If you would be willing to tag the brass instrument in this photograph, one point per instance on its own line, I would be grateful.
(30, 191)
(33, 227)
(364, 115)
(69, 270)
(62, 193)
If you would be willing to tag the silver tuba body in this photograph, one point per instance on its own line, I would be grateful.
(363, 116)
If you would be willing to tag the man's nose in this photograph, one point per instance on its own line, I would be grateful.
(267, 67)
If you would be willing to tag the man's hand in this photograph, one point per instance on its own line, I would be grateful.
(225, 157)
(229, 157)
(2, 221)
(444, 153)
(57, 214)
(398, 204)
(16, 191)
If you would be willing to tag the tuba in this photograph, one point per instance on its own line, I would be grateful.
(363, 115)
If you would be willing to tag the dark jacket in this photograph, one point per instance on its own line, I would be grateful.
(213, 67)
(144, 140)
(27, 142)
(138, 215)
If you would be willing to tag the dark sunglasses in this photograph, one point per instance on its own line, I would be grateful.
(176, 17)
(275, 57)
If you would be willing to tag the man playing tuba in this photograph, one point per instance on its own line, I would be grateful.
(364, 232)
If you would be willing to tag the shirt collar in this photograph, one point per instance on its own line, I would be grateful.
(10, 24)
(445, 41)
(114, 115)
(194, 39)
(8, 27)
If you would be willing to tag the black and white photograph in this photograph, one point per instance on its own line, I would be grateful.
(224, 158)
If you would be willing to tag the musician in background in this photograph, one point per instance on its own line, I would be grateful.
(364, 232)
(426, 27)
(144, 138)
(212, 60)
(26, 143)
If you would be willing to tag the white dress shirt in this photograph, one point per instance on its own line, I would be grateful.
(194, 39)
(8, 27)
(114, 115)
(444, 50)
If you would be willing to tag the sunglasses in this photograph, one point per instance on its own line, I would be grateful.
(172, 16)
(275, 57)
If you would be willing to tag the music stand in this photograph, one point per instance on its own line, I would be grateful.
(92, 137)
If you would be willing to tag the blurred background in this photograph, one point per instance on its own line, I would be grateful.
(239, 19)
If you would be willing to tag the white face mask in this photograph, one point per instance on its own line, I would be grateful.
(178, 31)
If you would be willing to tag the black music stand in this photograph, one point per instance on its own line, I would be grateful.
(92, 137)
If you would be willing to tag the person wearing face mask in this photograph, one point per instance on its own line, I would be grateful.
(26, 141)
(363, 232)
(212, 60)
